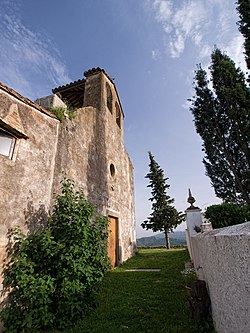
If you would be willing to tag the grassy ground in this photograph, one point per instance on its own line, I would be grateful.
(143, 302)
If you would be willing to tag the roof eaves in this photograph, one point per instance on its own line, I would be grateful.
(68, 85)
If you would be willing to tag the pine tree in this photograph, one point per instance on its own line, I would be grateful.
(164, 216)
(222, 119)
(244, 26)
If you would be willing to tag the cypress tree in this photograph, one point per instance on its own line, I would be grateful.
(222, 119)
(164, 216)
(244, 26)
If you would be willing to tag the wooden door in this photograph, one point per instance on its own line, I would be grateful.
(113, 240)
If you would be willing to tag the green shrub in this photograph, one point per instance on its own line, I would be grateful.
(71, 112)
(60, 112)
(227, 214)
(51, 276)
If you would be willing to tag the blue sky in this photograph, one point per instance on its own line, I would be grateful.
(151, 48)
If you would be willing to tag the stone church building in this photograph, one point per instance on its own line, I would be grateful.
(36, 149)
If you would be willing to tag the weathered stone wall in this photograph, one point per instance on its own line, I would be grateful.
(26, 181)
(77, 156)
(89, 149)
(50, 101)
(222, 258)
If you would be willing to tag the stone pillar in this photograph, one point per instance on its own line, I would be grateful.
(193, 221)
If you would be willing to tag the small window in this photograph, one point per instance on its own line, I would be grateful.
(112, 169)
(109, 97)
(7, 143)
(118, 115)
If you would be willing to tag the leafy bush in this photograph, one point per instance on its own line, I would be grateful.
(227, 214)
(60, 112)
(51, 276)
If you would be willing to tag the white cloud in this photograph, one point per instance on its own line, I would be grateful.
(163, 9)
(202, 23)
(197, 38)
(205, 51)
(25, 54)
(235, 51)
(177, 44)
(156, 54)
(180, 23)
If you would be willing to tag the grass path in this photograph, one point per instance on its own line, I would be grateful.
(140, 302)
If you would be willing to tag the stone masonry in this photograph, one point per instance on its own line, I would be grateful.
(89, 150)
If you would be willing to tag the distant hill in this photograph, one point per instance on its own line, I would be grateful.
(177, 238)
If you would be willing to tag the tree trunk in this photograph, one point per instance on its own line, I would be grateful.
(167, 239)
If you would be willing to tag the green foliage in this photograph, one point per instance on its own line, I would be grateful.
(244, 26)
(50, 276)
(227, 214)
(164, 216)
(197, 228)
(222, 119)
(60, 112)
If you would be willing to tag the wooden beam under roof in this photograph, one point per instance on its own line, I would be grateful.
(72, 94)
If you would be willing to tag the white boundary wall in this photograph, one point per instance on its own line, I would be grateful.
(222, 258)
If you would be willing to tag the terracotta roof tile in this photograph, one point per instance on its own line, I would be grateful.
(87, 73)
(68, 85)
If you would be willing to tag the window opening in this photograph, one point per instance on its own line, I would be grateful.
(7, 143)
(109, 97)
(118, 115)
(112, 169)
